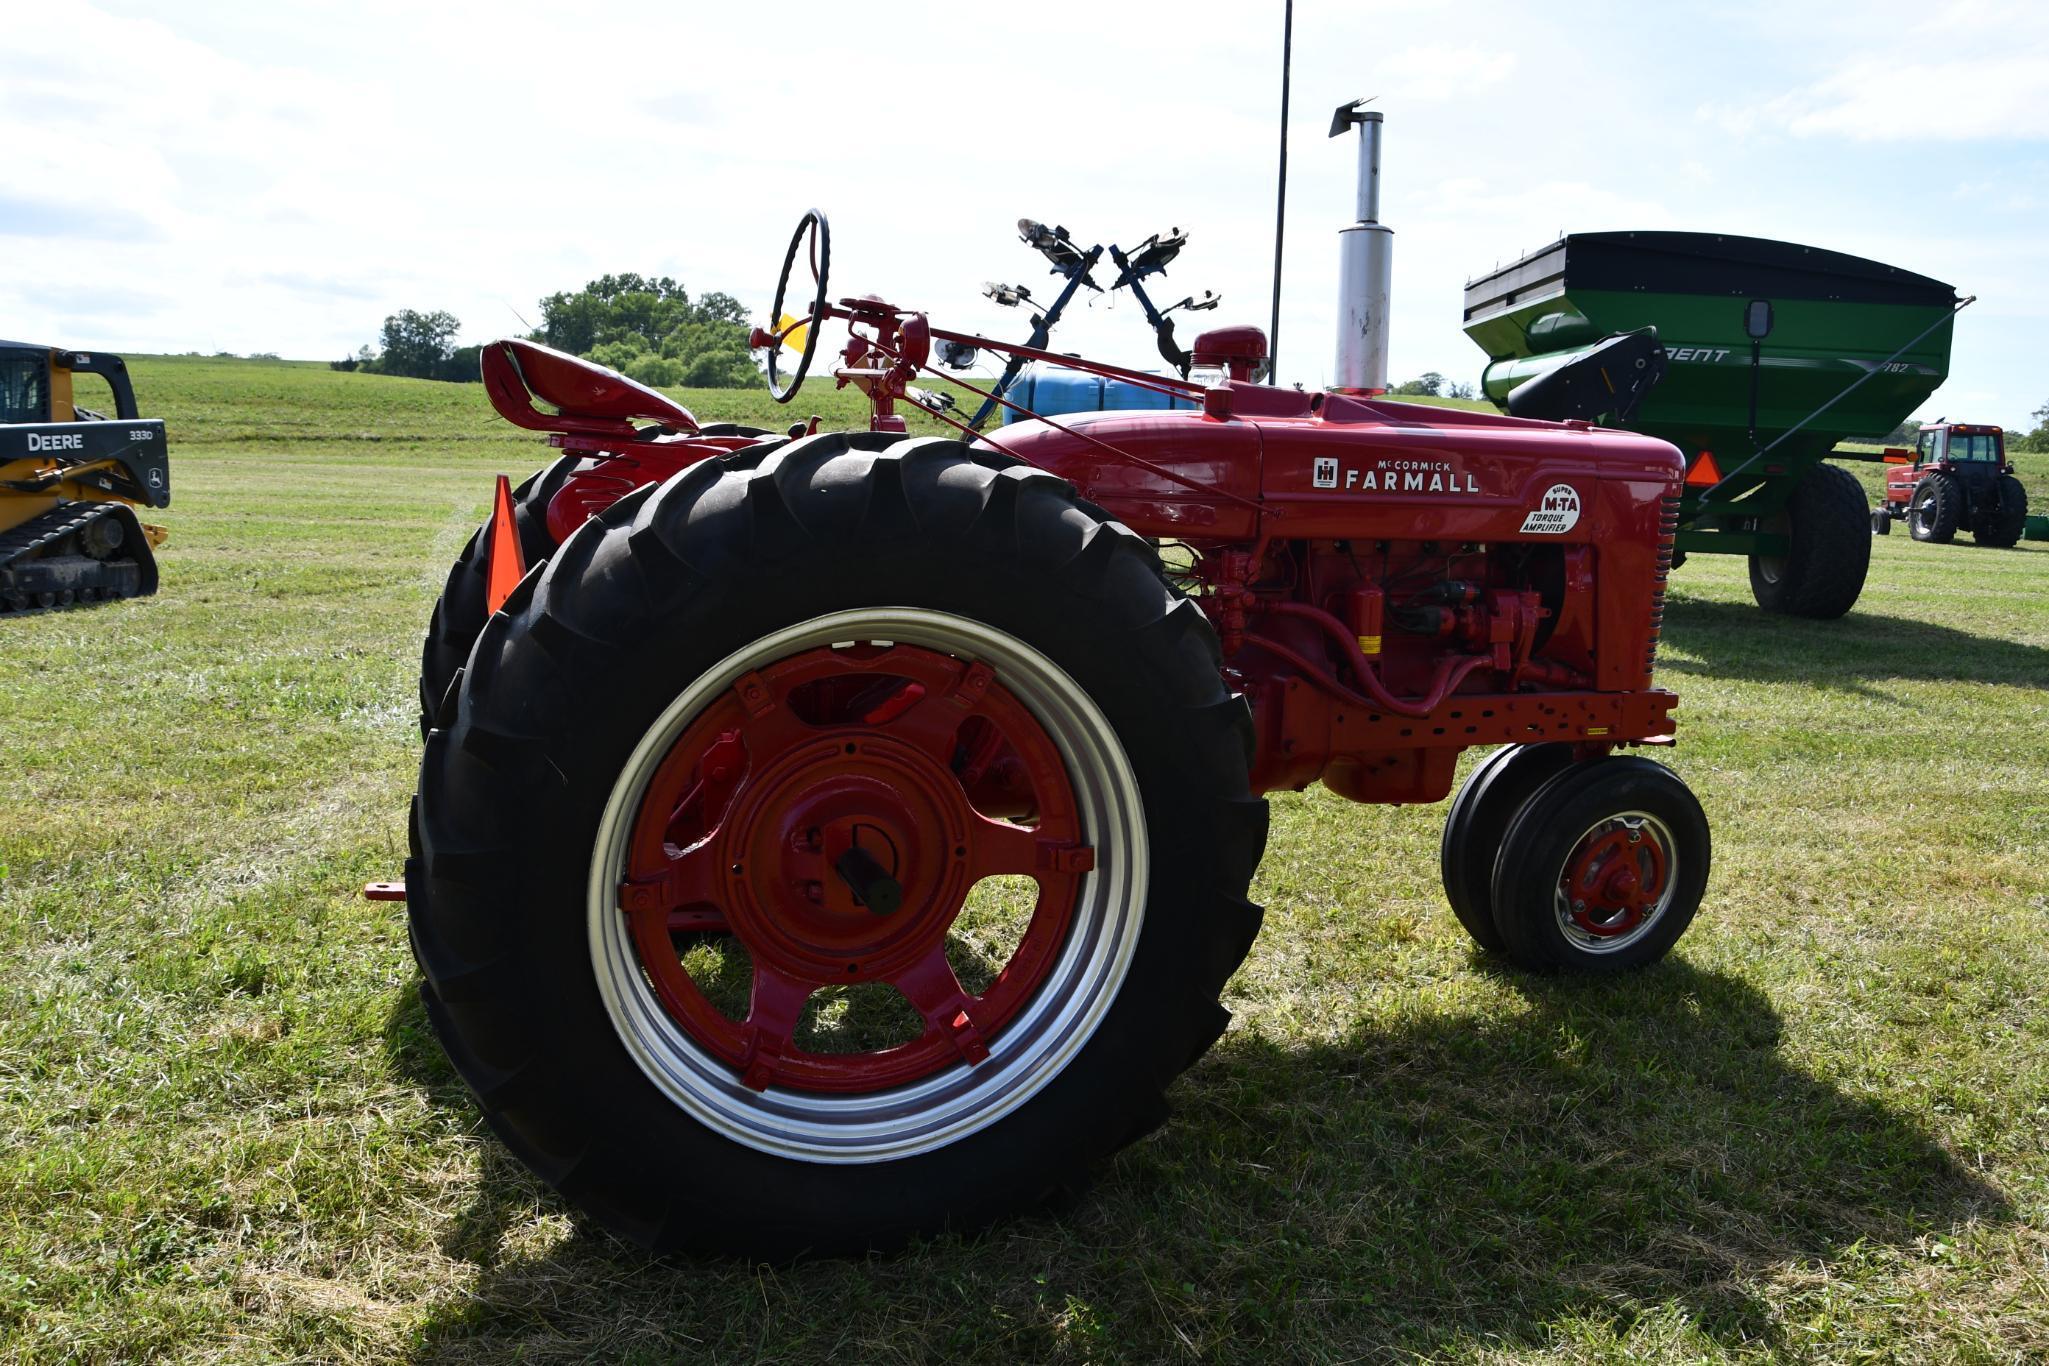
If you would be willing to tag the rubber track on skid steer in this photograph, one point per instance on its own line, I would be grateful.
(23, 580)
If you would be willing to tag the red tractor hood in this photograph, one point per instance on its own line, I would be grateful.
(1258, 461)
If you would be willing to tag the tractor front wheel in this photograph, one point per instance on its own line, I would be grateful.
(1473, 828)
(839, 844)
(1936, 509)
(1881, 522)
(1828, 552)
(1602, 869)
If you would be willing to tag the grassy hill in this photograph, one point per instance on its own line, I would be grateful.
(1817, 1132)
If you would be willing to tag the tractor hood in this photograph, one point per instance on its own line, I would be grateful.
(1257, 461)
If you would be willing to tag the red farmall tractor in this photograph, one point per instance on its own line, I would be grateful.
(846, 836)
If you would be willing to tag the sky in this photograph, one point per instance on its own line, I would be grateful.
(279, 177)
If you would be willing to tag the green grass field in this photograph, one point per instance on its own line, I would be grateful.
(1821, 1130)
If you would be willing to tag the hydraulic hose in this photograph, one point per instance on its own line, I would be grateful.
(1450, 673)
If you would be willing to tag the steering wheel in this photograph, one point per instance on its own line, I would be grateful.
(811, 231)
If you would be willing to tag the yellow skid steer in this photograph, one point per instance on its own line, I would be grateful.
(71, 480)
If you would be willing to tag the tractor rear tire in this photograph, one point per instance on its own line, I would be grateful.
(692, 615)
(2002, 526)
(1602, 869)
(1936, 509)
(1829, 552)
(460, 612)
(1473, 828)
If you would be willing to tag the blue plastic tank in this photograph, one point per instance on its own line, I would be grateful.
(1123, 396)
(1055, 390)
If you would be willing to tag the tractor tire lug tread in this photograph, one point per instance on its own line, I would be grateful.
(1823, 573)
(517, 708)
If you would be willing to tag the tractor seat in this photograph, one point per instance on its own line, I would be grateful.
(586, 396)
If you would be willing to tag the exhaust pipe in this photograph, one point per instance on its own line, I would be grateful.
(1365, 266)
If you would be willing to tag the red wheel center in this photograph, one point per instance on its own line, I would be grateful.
(794, 902)
(819, 812)
(1614, 880)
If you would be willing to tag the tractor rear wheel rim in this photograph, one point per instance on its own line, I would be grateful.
(1617, 882)
(824, 762)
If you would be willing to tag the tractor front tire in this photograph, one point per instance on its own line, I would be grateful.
(1881, 522)
(1473, 828)
(1936, 509)
(1828, 553)
(1602, 869)
(2002, 524)
(697, 825)
(459, 613)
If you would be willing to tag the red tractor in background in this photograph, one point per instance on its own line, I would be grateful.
(1955, 479)
(845, 836)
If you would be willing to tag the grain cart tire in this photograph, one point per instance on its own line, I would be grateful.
(460, 612)
(1881, 523)
(1473, 828)
(1829, 554)
(745, 744)
(1935, 509)
(1602, 869)
(2002, 525)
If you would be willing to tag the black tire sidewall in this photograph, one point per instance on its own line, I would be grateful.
(1543, 834)
(1829, 552)
(579, 1073)
(2003, 524)
(1474, 827)
(1941, 495)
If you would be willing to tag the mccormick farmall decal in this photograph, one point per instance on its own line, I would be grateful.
(1394, 474)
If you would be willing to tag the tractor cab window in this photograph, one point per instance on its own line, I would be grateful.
(1924, 450)
(1973, 446)
(24, 391)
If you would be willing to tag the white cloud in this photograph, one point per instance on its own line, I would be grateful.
(278, 177)
(1884, 100)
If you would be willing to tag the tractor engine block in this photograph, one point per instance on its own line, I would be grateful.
(1392, 583)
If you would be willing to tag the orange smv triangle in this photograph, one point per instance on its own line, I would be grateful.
(1705, 473)
(505, 566)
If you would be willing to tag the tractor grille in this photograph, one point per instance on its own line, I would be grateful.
(1668, 528)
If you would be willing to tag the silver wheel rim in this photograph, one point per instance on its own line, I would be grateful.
(1034, 1048)
(1647, 827)
(1924, 512)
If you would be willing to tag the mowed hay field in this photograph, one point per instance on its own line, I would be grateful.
(1821, 1130)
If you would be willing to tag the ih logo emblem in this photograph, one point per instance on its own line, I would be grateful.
(1326, 475)
(1557, 514)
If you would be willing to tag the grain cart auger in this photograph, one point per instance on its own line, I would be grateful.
(1772, 352)
(848, 836)
(70, 482)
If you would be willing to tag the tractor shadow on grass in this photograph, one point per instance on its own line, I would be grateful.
(1737, 640)
(1611, 1150)
(1625, 1152)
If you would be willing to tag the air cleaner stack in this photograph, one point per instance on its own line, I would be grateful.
(1365, 266)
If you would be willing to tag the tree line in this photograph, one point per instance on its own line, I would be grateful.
(646, 327)
(2036, 440)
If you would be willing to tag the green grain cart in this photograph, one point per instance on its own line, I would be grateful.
(1772, 353)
